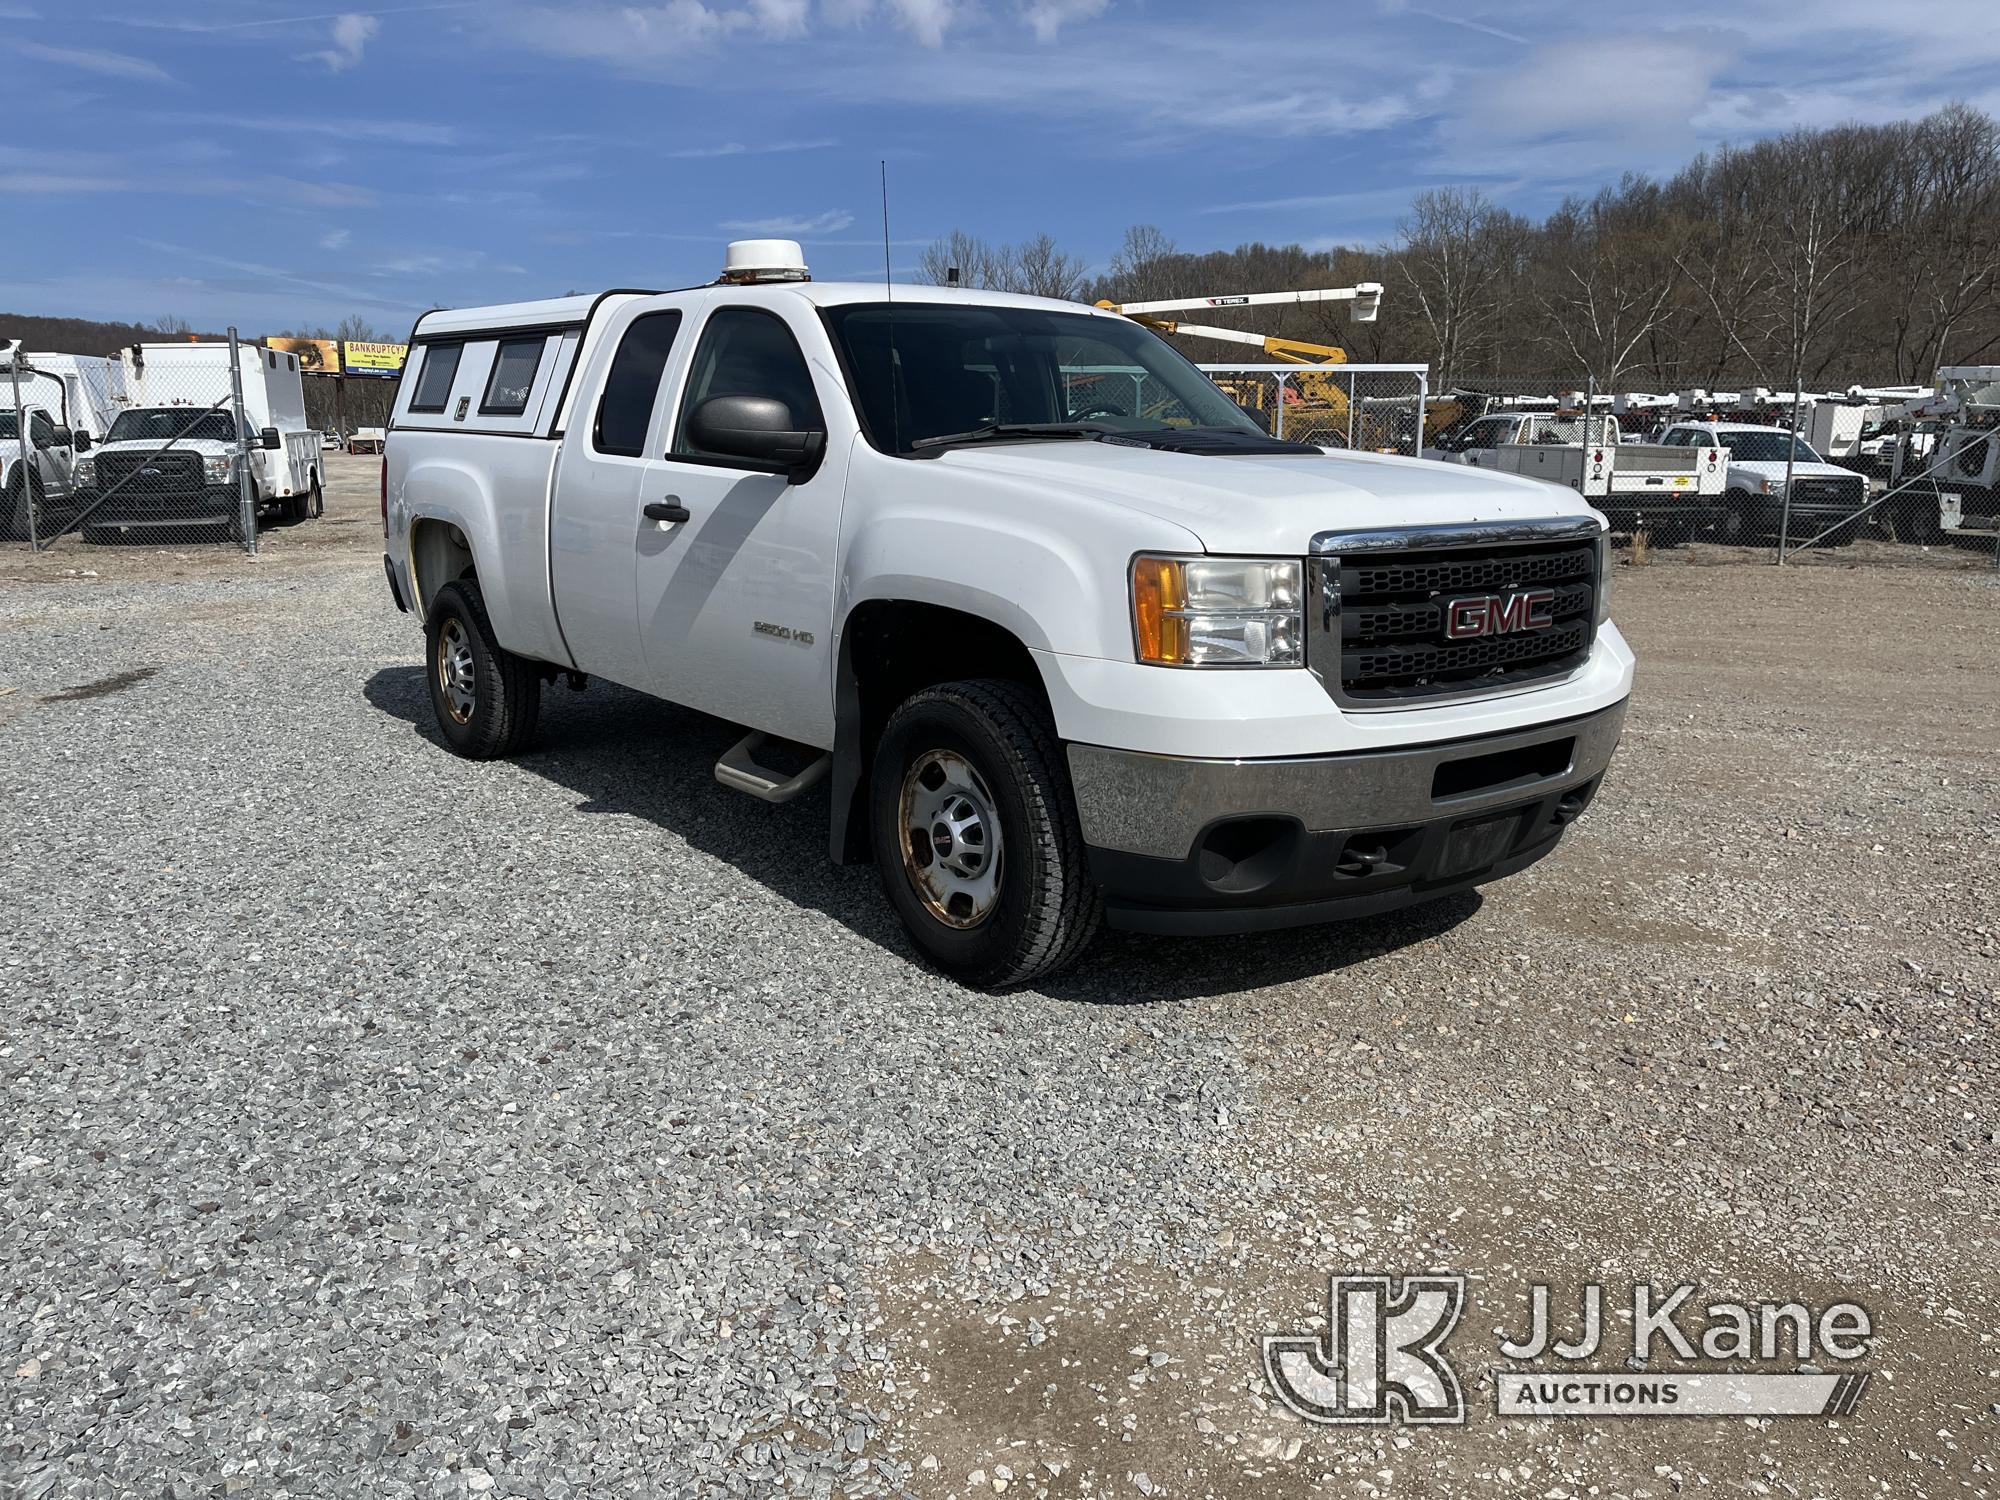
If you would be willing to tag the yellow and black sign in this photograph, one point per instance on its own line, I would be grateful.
(374, 359)
(316, 356)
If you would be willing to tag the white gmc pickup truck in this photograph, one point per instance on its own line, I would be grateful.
(1057, 660)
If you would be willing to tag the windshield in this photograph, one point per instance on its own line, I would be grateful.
(961, 368)
(1766, 447)
(165, 423)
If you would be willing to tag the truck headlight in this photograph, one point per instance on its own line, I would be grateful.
(1217, 611)
(85, 471)
(216, 470)
(1771, 486)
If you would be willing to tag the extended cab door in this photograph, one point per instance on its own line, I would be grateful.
(597, 530)
(736, 601)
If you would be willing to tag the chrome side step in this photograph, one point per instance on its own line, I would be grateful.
(738, 768)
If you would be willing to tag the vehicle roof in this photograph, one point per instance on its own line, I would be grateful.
(560, 311)
(1732, 426)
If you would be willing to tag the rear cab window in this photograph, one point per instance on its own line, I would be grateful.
(632, 387)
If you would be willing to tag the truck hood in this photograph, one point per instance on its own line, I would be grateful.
(1775, 469)
(1267, 503)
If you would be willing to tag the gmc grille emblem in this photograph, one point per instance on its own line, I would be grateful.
(1499, 614)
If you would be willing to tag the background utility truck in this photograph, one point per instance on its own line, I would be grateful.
(1051, 664)
(1636, 485)
(169, 462)
(65, 400)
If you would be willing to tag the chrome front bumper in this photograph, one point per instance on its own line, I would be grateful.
(1181, 844)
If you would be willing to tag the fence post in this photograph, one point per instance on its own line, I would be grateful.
(1423, 400)
(1353, 395)
(246, 488)
(1278, 422)
(25, 470)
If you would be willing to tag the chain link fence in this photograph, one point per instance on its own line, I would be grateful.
(1370, 408)
(163, 445)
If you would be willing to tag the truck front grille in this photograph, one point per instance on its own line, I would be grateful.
(149, 473)
(1462, 612)
(1830, 491)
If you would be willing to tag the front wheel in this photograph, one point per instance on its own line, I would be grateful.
(976, 836)
(485, 697)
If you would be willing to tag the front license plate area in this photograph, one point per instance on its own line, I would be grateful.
(1477, 843)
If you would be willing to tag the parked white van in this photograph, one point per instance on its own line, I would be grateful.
(1055, 659)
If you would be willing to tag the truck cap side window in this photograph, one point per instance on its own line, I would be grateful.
(746, 351)
(514, 365)
(626, 408)
(434, 379)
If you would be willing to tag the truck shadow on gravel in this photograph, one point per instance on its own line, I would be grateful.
(622, 752)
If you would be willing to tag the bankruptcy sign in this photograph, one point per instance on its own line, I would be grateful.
(373, 359)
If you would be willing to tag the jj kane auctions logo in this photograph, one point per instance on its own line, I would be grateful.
(1382, 1358)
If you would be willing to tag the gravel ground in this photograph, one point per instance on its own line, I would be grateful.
(379, 1124)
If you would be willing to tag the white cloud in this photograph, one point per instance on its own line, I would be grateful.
(91, 60)
(335, 239)
(352, 32)
(743, 148)
(831, 222)
(1046, 18)
(926, 20)
(392, 132)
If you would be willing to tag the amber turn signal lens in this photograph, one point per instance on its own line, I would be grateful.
(1159, 586)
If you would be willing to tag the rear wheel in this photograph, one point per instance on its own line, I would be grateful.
(1733, 529)
(976, 837)
(1914, 519)
(485, 697)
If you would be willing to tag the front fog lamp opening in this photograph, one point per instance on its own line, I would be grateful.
(1217, 611)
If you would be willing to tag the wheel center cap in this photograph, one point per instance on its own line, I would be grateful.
(941, 840)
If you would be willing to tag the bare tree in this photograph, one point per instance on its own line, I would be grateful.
(1459, 249)
(977, 262)
(1147, 268)
(1607, 282)
(1039, 269)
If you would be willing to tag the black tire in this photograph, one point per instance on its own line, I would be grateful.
(101, 536)
(1044, 910)
(318, 506)
(18, 528)
(1914, 519)
(505, 689)
(1734, 527)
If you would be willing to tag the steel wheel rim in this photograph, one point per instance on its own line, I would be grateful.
(952, 854)
(455, 675)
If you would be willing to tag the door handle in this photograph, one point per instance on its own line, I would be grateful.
(667, 510)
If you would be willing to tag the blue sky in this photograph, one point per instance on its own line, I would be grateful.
(274, 164)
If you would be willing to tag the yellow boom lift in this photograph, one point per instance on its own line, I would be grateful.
(1318, 402)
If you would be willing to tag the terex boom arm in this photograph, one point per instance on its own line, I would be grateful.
(1366, 299)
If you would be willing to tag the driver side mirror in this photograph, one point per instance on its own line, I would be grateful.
(759, 429)
(269, 439)
(80, 440)
(59, 438)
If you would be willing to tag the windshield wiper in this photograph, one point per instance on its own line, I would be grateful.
(1011, 430)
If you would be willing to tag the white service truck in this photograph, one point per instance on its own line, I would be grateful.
(1053, 664)
(172, 458)
(1638, 486)
(64, 401)
(1826, 500)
